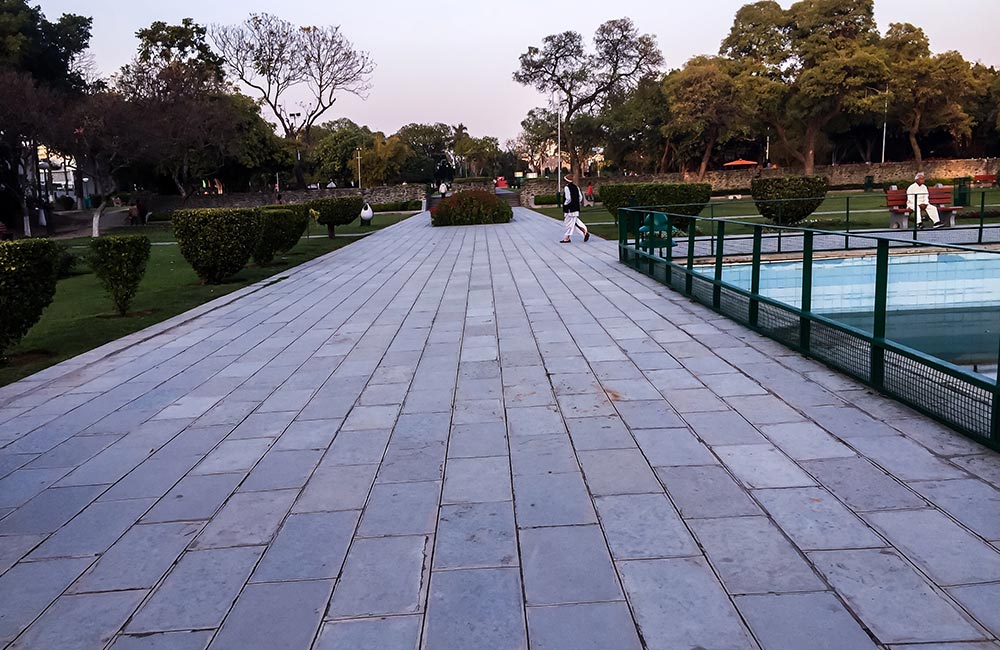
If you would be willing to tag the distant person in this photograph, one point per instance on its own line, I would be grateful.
(571, 211)
(590, 193)
(918, 199)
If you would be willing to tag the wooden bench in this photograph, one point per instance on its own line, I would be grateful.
(985, 180)
(5, 232)
(940, 197)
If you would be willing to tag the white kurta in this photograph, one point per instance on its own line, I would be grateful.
(571, 220)
(917, 198)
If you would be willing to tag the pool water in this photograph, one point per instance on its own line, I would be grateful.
(946, 304)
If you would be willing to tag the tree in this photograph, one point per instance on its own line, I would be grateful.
(273, 56)
(431, 146)
(930, 92)
(807, 66)
(706, 106)
(335, 152)
(37, 75)
(537, 138)
(176, 81)
(383, 162)
(635, 128)
(582, 81)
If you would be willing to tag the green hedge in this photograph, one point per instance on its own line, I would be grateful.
(396, 206)
(338, 211)
(471, 207)
(27, 285)
(216, 242)
(788, 200)
(688, 198)
(905, 183)
(119, 262)
(547, 199)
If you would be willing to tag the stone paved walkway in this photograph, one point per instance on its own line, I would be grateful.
(475, 438)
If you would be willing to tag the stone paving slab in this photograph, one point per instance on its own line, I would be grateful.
(477, 437)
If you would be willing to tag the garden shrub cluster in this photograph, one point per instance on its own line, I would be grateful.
(787, 200)
(686, 198)
(338, 211)
(119, 262)
(27, 285)
(471, 207)
(217, 242)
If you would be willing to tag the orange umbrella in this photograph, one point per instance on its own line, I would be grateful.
(740, 163)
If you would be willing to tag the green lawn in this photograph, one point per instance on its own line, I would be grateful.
(81, 317)
(867, 211)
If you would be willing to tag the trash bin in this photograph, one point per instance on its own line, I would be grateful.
(869, 183)
(962, 194)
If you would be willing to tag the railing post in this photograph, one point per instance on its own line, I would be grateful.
(805, 322)
(717, 288)
(670, 251)
(636, 224)
(995, 413)
(916, 215)
(847, 238)
(622, 237)
(878, 327)
(758, 232)
(982, 214)
(689, 279)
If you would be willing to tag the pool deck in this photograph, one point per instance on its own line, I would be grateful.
(476, 437)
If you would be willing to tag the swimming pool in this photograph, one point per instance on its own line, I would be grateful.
(944, 304)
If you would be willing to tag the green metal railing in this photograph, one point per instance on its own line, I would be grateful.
(676, 256)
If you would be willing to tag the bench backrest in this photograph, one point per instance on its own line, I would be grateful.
(985, 178)
(938, 196)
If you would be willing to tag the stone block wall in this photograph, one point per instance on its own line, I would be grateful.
(739, 179)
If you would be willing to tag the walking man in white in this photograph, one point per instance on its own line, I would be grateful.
(918, 199)
(571, 211)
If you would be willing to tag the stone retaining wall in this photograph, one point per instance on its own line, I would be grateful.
(739, 179)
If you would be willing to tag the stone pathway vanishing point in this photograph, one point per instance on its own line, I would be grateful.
(475, 438)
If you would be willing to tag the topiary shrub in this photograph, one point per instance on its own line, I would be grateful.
(293, 227)
(119, 262)
(27, 285)
(216, 242)
(471, 207)
(684, 198)
(338, 211)
(788, 200)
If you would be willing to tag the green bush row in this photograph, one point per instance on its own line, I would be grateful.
(119, 262)
(27, 285)
(397, 206)
(471, 207)
(788, 200)
(905, 183)
(685, 198)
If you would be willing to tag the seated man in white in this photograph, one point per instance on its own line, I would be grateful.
(918, 200)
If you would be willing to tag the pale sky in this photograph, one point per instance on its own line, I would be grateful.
(451, 60)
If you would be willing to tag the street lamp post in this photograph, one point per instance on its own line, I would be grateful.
(359, 167)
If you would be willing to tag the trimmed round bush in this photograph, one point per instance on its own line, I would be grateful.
(293, 227)
(683, 198)
(280, 230)
(119, 262)
(216, 242)
(787, 200)
(471, 207)
(27, 285)
(338, 211)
